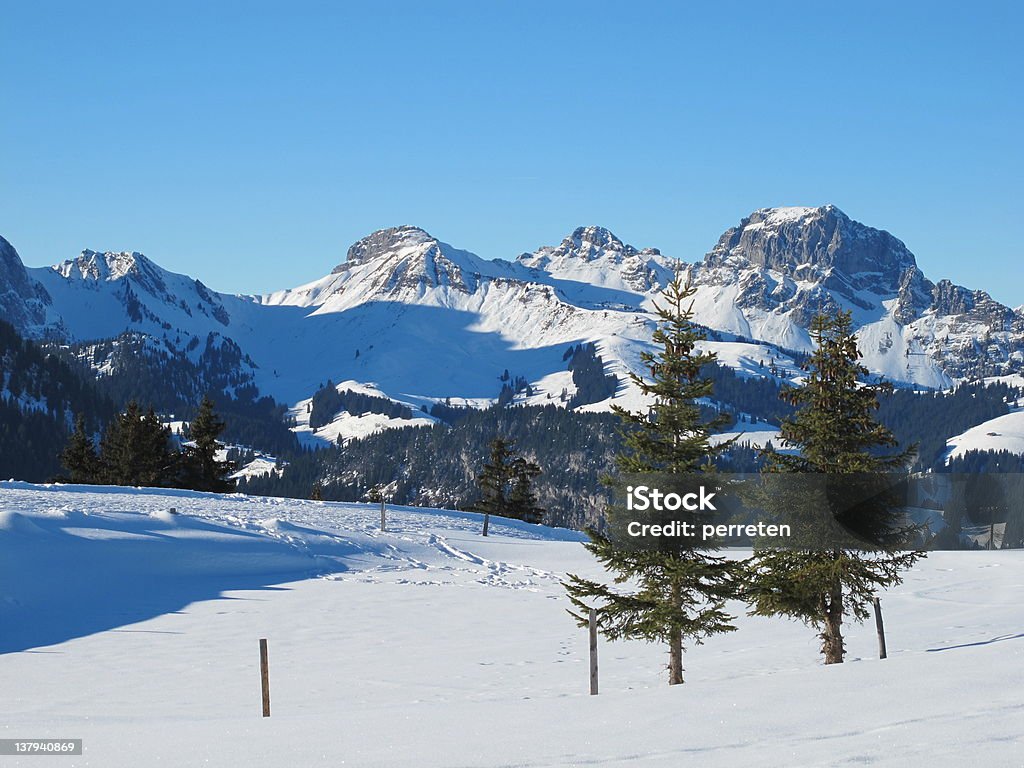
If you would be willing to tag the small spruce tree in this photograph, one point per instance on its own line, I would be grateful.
(522, 499)
(678, 594)
(79, 456)
(202, 470)
(493, 482)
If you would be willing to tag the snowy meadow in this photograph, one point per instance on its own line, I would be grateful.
(136, 630)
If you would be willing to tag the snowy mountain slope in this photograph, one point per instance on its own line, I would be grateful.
(767, 277)
(421, 321)
(1003, 433)
(428, 645)
(345, 425)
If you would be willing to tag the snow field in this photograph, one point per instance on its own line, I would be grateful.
(431, 646)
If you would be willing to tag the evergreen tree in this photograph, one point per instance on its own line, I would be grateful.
(79, 455)
(675, 594)
(493, 482)
(836, 434)
(135, 450)
(522, 499)
(201, 470)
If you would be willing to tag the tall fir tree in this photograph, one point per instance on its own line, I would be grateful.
(674, 595)
(836, 436)
(201, 469)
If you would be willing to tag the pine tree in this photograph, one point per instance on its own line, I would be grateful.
(836, 435)
(202, 470)
(675, 594)
(79, 456)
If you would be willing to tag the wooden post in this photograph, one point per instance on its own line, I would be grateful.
(593, 652)
(383, 515)
(265, 676)
(487, 522)
(879, 627)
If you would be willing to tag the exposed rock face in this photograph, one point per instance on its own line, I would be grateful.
(821, 246)
(781, 266)
(382, 243)
(597, 256)
(23, 302)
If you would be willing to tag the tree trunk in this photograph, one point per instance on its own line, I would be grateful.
(832, 632)
(675, 657)
(675, 643)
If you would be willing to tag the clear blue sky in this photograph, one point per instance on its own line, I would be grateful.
(250, 145)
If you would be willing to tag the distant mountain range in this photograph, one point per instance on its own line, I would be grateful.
(416, 320)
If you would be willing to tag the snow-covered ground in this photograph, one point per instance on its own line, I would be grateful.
(136, 630)
(1003, 433)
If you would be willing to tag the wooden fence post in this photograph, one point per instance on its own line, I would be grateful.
(487, 522)
(265, 676)
(593, 652)
(879, 627)
(383, 515)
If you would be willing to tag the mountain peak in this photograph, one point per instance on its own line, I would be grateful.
(384, 241)
(595, 237)
(108, 265)
(810, 241)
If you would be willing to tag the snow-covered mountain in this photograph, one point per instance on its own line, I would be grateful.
(421, 321)
(766, 278)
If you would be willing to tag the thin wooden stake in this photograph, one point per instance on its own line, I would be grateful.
(265, 676)
(383, 515)
(880, 627)
(487, 522)
(593, 652)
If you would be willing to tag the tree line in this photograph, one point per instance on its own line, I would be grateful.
(136, 449)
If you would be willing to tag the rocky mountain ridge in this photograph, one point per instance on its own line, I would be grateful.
(423, 321)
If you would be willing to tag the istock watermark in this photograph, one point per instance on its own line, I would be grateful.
(868, 511)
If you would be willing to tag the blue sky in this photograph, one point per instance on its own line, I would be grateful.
(250, 144)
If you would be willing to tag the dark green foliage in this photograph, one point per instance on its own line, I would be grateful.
(328, 402)
(512, 387)
(670, 595)
(449, 413)
(136, 450)
(146, 369)
(985, 461)
(522, 499)
(79, 457)
(835, 432)
(592, 385)
(198, 466)
(40, 396)
(931, 418)
(506, 485)
(493, 480)
(437, 465)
